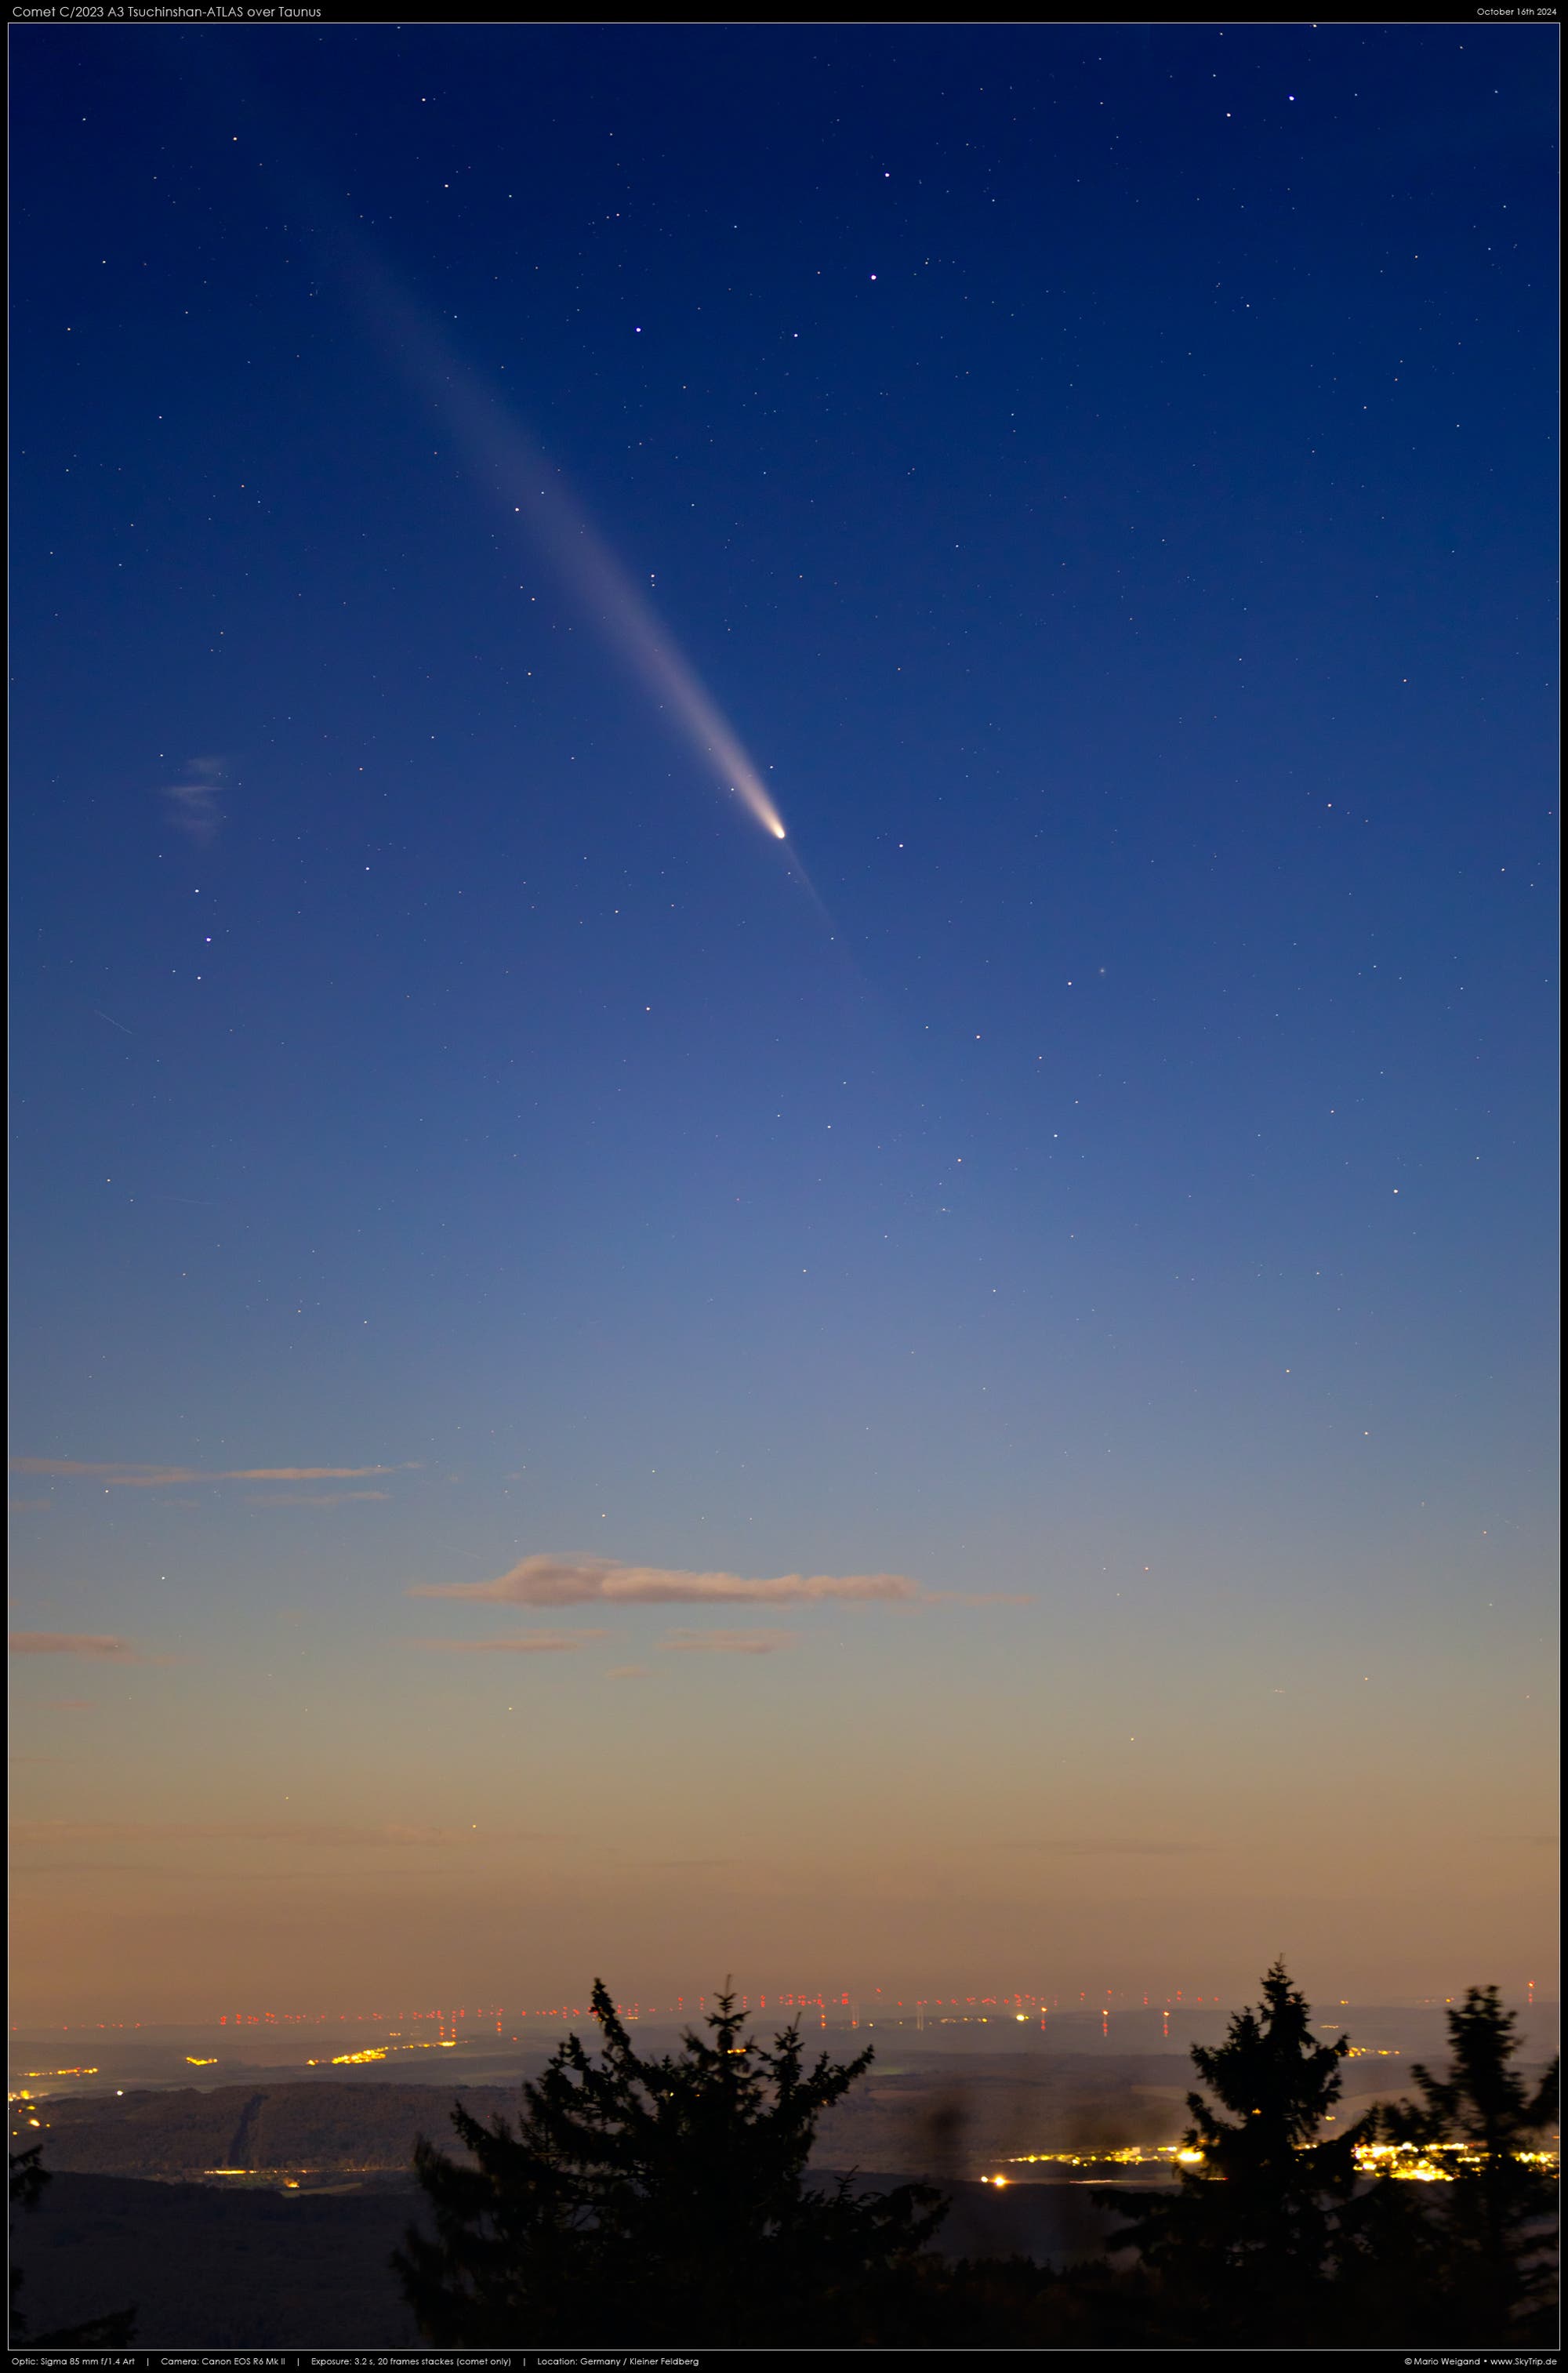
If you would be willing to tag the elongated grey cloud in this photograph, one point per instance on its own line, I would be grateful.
(92, 1467)
(527, 1643)
(71, 1643)
(571, 1581)
(1096, 1846)
(975, 1598)
(728, 1643)
(305, 1833)
(192, 801)
(309, 1499)
(140, 1476)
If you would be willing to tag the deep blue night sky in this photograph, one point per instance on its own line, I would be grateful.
(1105, 480)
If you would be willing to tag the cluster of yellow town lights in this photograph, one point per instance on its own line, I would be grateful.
(1437, 2162)
(1411, 2162)
(1132, 2157)
(382, 2051)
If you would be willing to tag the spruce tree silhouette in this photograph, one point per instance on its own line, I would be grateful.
(28, 2177)
(1247, 2247)
(1496, 2219)
(648, 2201)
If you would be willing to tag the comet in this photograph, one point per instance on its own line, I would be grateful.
(534, 493)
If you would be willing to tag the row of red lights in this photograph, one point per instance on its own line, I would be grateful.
(820, 2002)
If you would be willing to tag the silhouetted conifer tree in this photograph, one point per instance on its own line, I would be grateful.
(1496, 2219)
(1248, 2246)
(657, 2201)
(27, 2178)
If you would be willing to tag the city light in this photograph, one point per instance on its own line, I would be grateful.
(863, 2006)
(1439, 2162)
(1411, 2162)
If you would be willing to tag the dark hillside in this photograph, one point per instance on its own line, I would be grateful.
(210, 2268)
(292, 2128)
(944, 2117)
(213, 2269)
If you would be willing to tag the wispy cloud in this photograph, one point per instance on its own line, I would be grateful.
(139, 1474)
(729, 1643)
(309, 1499)
(628, 1672)
(305, 1833)
(976, 1599)
(1096, 1846)
(525, 1644)
(99, 1644)
(296, 1473)
(694, 1862)
(192, 802)
(570, 1582)
(88, 1466)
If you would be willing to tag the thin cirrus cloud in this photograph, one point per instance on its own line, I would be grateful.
(975, 1598)
(1096, 1846)
(192, 802)
(536, 1643)
(299, 1833)
(573, 1582)
(307, 1498)
(100, 1646)
(132, 1475)
(728, 1643)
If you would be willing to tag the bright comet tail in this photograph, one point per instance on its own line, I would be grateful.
(533, 487)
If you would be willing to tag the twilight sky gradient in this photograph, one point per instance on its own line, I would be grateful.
(964, 1398)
